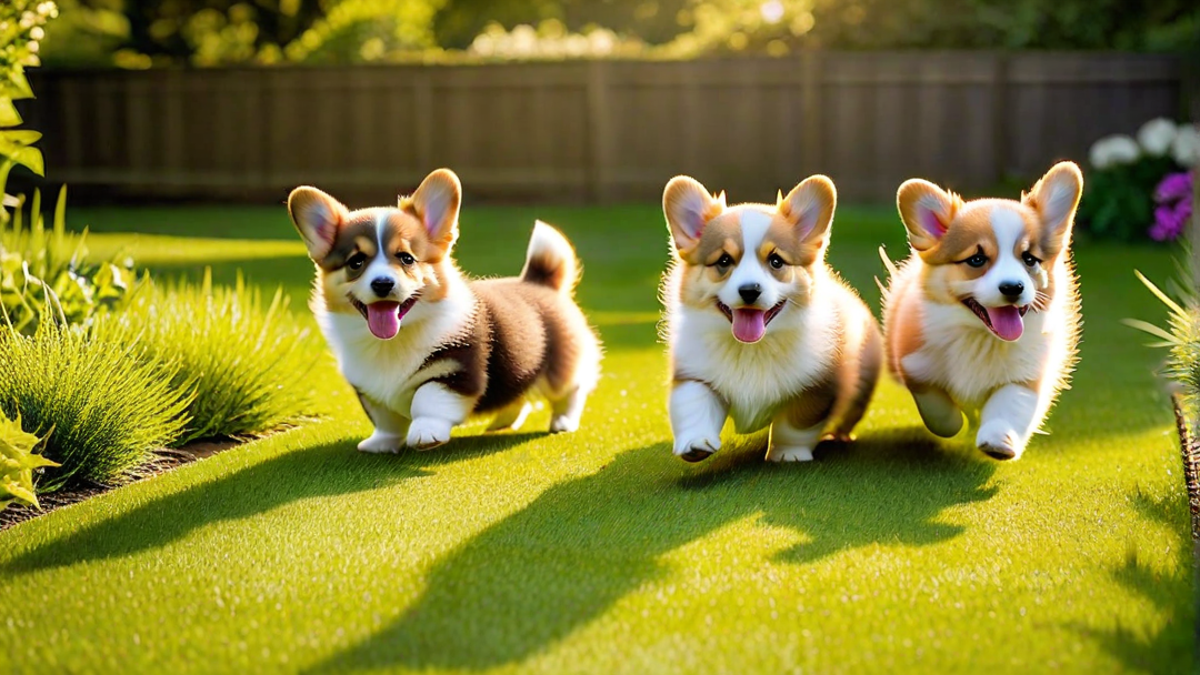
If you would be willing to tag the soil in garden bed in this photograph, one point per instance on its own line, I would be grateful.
(164, 460)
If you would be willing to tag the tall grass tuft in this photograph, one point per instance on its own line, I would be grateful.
(101, 404)
(241, 359)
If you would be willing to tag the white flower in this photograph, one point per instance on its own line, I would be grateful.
(1156, 136)
(1186, 148)
(1111, 151)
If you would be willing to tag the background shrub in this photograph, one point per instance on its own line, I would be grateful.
(45, 274)
(241, 361)
(103, 405)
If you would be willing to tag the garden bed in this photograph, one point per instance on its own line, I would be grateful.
(164, 459)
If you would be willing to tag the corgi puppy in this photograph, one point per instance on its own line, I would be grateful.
(424, 347)
(984, 315)
(758, 326)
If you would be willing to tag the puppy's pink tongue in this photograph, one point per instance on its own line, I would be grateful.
(749, 325)
(383, 318)
(1006, 322)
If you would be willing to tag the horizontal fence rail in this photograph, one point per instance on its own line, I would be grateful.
(597, 131)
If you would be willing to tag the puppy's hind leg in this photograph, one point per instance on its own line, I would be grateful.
(938, 411)
(869, 365)
(512, 417)
(565, 411)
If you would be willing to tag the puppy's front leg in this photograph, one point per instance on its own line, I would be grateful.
(697, 415)
(1007, 421)
(436, 409)
(390, 427)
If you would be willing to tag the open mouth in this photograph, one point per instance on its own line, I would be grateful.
(750, 323)
(1006, 323)
(384, 316)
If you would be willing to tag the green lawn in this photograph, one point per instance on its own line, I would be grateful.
(600, 551)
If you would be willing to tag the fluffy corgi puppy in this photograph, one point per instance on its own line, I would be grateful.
(424, 347)
(759, 328)
(983, 318)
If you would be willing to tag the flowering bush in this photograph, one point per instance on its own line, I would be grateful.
(1174, 198)
(1139, 186)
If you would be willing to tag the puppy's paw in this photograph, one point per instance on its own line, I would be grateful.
(564, 424)
(696, 449)
(794, 453)
(381, 442)
(998, 440)
(428, 432)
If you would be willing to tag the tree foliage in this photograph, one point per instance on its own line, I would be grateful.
(213, 32)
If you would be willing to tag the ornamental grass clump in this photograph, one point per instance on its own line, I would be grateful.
(242, 361)
(103, 406)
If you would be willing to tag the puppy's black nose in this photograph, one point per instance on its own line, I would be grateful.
(749, 292)
(382, 286)
(1012, 289)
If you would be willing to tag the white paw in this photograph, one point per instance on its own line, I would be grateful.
(428, 432)
(696, 449)
(795, 453)
(998, 440)
(380, 442)
(560, 424)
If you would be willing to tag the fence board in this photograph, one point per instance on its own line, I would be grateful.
(599, 131)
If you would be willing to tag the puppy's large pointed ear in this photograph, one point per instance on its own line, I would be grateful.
(809, 208)
(927, 211)
(688, 207)
(1055, 198)
(318, 217)
(436, 204)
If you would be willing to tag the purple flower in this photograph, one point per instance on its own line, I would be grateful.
(1173, 188)
(1171, 220)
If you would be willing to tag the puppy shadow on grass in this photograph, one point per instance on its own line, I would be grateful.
(533, 578)
(320, 471)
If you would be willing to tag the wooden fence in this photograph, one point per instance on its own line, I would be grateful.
(597, 131)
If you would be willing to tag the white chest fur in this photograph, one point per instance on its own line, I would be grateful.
(389, 371)
(754, 379)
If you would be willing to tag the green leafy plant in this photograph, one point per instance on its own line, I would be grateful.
(18, 462)
(45, 273)
(241, 360)
(21, 29)
(109, 403)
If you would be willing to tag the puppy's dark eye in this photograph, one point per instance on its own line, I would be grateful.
(356, 261)
(977, 260)
(406, 258)
(775, 261)
(1029, 260)
(725, 260)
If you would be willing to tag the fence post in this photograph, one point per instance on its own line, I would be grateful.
(423, 97)
(599, 131)
(1000, 117)
(811, 150)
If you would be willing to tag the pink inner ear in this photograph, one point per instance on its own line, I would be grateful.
(931, 223)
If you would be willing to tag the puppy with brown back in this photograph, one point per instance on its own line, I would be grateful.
(983, 318)
(424, 347)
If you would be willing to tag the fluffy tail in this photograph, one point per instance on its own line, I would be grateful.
(551, 260)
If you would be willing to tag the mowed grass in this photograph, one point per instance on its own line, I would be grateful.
(599, 551)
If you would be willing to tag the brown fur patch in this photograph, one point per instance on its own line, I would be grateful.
(521, 332)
